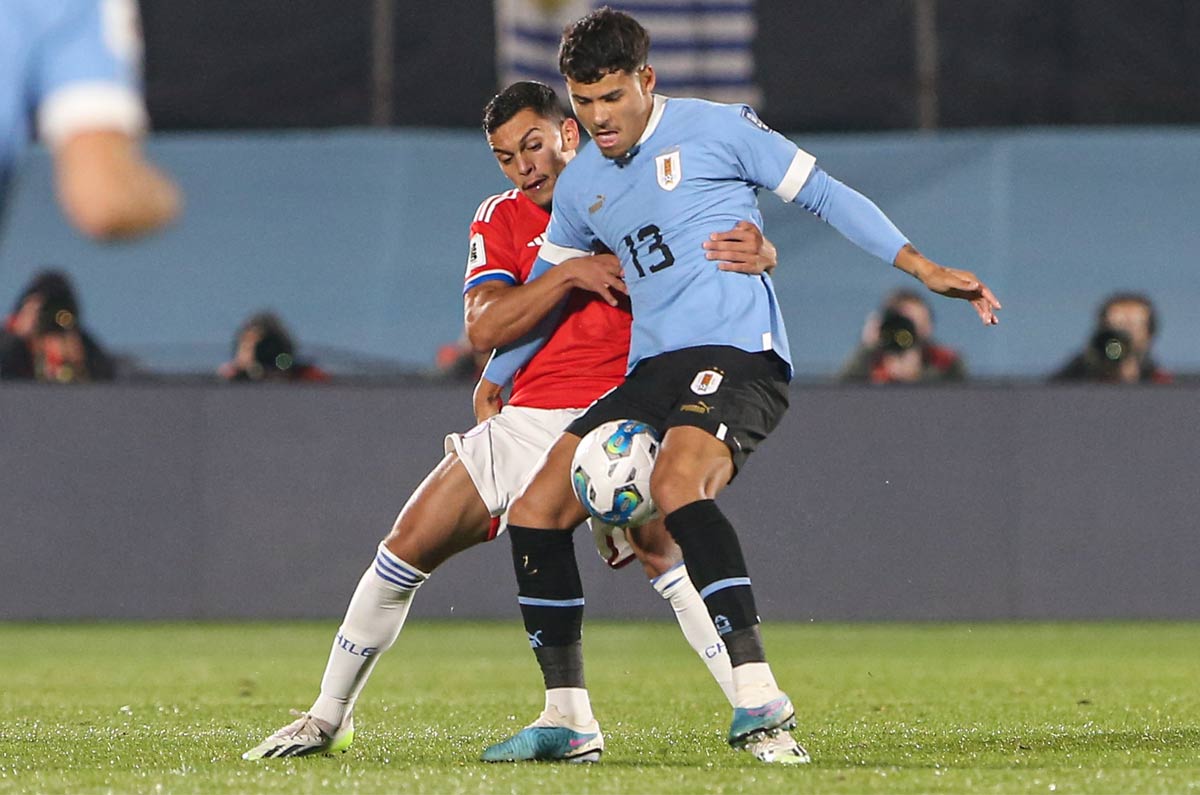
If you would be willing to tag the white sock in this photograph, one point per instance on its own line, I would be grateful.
(568, 706)
(373, 622)
(676, 587)
(755, 685)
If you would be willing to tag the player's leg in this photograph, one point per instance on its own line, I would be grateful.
(445, 515)
(662, 561)
(550, 595)
(743, 396)
(691, 470)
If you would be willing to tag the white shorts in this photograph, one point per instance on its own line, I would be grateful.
(501, 453)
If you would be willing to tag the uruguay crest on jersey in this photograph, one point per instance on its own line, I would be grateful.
(669, 167)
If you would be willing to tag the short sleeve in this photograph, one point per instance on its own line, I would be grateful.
(87, 70)
(491, 255)
(765, 158)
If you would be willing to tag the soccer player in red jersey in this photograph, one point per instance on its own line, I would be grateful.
(462, 501)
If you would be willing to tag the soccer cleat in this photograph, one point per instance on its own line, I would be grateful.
(752, 723)
(539, 743)
(778, 749)
(303, 736)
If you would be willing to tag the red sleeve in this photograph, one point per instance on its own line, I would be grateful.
(491, 255)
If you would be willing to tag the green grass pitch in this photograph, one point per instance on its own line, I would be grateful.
(1044, 708)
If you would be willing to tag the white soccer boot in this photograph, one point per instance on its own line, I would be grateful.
(303, 736)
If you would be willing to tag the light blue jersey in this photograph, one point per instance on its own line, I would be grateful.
(695, 171)
(72, 63)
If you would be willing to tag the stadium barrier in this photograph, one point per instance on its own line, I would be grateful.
(208, 502)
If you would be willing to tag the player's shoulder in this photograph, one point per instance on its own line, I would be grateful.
(714, 116)
(692, 108)
(495, 207)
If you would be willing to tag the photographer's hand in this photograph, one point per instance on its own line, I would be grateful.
(950, 282)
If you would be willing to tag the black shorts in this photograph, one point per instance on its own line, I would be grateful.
(737, 396)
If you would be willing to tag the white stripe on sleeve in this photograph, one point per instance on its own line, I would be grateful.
(557, 255)
(88, 106)
(796, 176)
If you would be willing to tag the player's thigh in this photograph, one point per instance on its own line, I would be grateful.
(732, 400)
(547, 500)
(444, 516)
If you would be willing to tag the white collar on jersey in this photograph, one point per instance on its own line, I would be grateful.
(660, 104)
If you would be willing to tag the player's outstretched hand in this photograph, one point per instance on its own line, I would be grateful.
(742, 249)
(955, 283)
(950, 282)
(598, 273)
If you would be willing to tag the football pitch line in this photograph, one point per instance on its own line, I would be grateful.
(169, 707)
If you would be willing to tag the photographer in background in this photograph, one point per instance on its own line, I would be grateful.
(1118, 351)
(263, 351)
(898, 347)
(43, 339)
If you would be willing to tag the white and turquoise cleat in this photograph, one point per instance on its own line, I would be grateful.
(303, 736)
(751, 724)
(548, 743)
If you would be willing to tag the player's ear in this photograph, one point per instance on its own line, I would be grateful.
(648, 78)
(570, 135)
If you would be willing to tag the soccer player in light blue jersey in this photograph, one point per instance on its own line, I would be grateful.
(74, 66)
(708, 366)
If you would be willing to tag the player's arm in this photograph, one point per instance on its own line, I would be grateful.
(768, 159)
(90, 114)
(108, 190)
(860, 221)
(497, 312)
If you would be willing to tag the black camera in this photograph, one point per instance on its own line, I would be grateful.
(1111, 345)
(273, 353)
(897, 332)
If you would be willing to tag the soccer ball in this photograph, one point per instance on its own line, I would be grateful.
(611, 472)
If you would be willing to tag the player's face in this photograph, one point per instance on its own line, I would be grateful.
(615, 109)
(532, 151)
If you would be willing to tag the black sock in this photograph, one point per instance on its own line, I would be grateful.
(551, 599)
(718, 570)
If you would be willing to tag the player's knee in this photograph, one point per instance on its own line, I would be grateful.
(520, 514)
(673, 487)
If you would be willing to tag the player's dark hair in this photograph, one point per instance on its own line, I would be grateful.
(1128, 298)
(525, 94)
(604, 41)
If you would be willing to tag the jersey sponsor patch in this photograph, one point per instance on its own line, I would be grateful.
(707, 381)
(749, 115)
(669, 167)
(477, 255)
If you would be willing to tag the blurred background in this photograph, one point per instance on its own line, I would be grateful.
(1045, 145)
(331, 159)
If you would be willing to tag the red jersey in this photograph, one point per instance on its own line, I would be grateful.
(586, 355)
